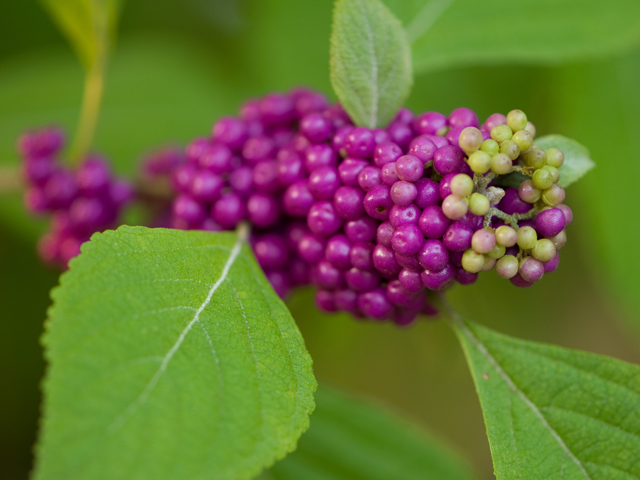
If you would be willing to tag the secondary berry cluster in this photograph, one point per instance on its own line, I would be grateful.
(80, 201)
(372, 217)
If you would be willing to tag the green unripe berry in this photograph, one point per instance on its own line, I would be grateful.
(523, 139)
(531, 128)
(501, 164)
(490, 146)
(455, 207)
(554, 195)
(528, 192)
(527, 238)
(544, 250)
(497, 252)
(479, 204)
(559, 240)
(535, 158)
(555, 173)
(510, 149)
(517, 120)
(480, 162)
(507, 266)
(472, 261)
(506, 236)
(555, 157)
(470, 139)
(542, 179)
(501, 133)
(461, 185)
(489, 263)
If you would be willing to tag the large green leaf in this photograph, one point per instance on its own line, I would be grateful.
(370, 61)
(170, 357)
(89, 25)
(447, 33)
(577, 161)
(552, 412)
(350, 439)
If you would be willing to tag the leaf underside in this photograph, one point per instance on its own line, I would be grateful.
(370, 62)
(170, 357)
(555, 413)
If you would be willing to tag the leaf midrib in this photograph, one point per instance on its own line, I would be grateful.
(462, 327)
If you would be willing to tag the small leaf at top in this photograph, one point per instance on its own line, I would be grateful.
(577, 161)
(352, 439)
(170, 357)
(89, 25)
(552, 412)
(370, 61)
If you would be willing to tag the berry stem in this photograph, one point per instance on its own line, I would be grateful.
(93, 85)
(524, 170)
(511, 219)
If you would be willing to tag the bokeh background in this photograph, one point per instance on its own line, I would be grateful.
(180, 65)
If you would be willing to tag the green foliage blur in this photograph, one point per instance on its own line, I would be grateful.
(180, 65)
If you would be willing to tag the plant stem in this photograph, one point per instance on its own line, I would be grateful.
(93, 85)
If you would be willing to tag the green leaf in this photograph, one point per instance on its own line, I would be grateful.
(170, 357)
(350, 439)
(89, 25)
(370, 61)
(577, 161)
(447, 33)
(552, 412)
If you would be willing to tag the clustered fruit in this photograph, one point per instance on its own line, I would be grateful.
(373, 217)
(80, 201)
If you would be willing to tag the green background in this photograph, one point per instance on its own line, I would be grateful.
(180, 65)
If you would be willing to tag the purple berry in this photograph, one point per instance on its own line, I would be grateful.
(323, 219)
(361, 255)
(206, 186)
(320, 156)
(438, 280)
(388, 174)
(465, 278)
(430, 123)
(271, 251)
(61, 189)
(409, 168)
(338, 252)
(323, 183)
(361, 230)
(93, 177)
(448, 159)
(361, 280)
(400, 134)
(433, 255)
(407, 239)
(423, 148)
(512, 203)
(433, 222)
(241, 180)
(444, 189)
(398, 295)
(121, 192)
(463, 117)
(189, 210)
(297, 199)
(231, 132)
(386, 153)
(457, 237)
(291, 168)
(518, 281)
(378, 203)
(385, 262)
(37, 170)
(349, 202)
(409, 262)
(258, 148)
(408, 214)
(493, 121)
(229, 210)
(276, 109)
(403, 193)
(308, 102)
(360, 143)
(316, 127)
(568, 214)
(346, 300)
(263, 210)
(550, 222)
(325, 301)
(35, 200)
(410, 280)
(182, 177)
(369, 177)
(311, 248)
(337, 142)
(532, 270)
(384, 234)
(349, 169)
(375, 304)
(325, 275)
(380, 136)
(217, 158)
(552, 264)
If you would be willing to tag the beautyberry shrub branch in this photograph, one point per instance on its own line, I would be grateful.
(373, 218)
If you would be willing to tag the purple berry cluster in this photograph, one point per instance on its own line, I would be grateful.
(80, 201)
(373, 218)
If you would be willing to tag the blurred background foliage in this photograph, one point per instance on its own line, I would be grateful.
(180, 65)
